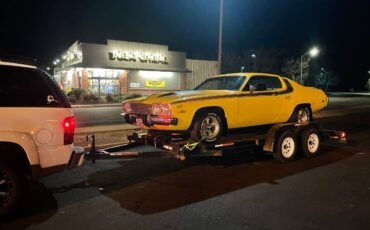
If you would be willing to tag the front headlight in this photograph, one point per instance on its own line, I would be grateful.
(161, 109)
(126, 107)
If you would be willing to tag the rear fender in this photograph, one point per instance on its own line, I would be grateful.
(25, 141)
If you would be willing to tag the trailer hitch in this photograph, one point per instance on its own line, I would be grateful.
(93, 154)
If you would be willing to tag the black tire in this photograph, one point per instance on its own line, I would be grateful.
(285, 147)
(199, 134)
(13, 187)
(310, 142)
(301, 114)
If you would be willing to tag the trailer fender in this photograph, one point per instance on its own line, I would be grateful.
(272, 135)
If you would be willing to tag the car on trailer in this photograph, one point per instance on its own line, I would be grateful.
(226, 102)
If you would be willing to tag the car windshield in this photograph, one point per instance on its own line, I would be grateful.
(222, 83)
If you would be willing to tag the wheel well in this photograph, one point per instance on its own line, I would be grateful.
(308, 105)
(13, 153)
(215, 109)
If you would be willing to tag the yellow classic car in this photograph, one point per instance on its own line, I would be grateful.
(225, 102)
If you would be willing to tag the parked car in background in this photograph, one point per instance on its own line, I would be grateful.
(225, 102)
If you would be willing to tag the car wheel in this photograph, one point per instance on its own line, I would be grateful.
(286, 147)
(301, 115)
(208, 127)
(13, 185)
(311, 142)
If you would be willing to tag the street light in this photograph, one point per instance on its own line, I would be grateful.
(220, 37)
(253, 56)
(313, 52)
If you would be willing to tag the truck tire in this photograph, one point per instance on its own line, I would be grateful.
(207, 127)
(13, 187)
(310, 142)
(285, 147)
(301, 114)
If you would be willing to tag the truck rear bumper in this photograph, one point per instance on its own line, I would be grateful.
(75, 160)
(76, 157)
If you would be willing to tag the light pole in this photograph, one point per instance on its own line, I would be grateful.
(313, 52)
(220, 37)
(253, 63)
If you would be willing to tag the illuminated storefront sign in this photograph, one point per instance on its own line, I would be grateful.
(155, 84)
(128, 56)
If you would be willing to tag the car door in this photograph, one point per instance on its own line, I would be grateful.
(259, 102)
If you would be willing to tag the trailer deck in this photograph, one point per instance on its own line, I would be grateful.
(181, 146)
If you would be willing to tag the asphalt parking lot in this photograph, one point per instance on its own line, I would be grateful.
(248, 190)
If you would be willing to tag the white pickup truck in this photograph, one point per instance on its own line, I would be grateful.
(36, 130)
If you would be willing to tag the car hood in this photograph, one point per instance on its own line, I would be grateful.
(180, 96)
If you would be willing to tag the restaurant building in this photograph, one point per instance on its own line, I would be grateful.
(122, 67)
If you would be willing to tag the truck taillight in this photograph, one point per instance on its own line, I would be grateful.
(69, 125)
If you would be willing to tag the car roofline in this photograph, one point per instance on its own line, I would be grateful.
(14, 64)
(247, 74)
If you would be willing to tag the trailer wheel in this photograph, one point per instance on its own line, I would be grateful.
(311, 142)
(286, 147)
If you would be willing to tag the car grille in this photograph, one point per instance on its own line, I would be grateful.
(140, 108)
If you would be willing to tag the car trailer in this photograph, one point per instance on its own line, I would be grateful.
(282, 140)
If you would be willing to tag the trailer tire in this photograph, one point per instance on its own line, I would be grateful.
(310, 142)
(13, 187)
(285, 146)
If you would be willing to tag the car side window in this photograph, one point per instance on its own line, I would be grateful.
(23, 87)
(263, 83)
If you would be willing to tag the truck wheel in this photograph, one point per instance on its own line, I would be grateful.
(311, 142)
(286, 147)
(13, 185)
(301, 115)
(207, 127)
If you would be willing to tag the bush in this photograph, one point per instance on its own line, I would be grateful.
(93, 98)
(109, 98)
(85, 97)
(133, 95)
(78, 93)
(90, 98)
(72, 98)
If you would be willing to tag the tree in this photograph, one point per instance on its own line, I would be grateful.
(325, 80)
(292, 69)
(367, 85)
(253, 60)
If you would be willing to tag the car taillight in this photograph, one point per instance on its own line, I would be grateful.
(161, 109)
(69, 125)
(124, 107)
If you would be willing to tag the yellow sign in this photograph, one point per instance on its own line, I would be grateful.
(155, 84)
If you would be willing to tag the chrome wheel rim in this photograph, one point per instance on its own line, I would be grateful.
(313, 143)
(210, 127)
(6, 189)
(303, 116)
(288, 147)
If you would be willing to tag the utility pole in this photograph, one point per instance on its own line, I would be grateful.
(220, 37)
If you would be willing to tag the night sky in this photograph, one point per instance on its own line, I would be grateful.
(341, 28)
